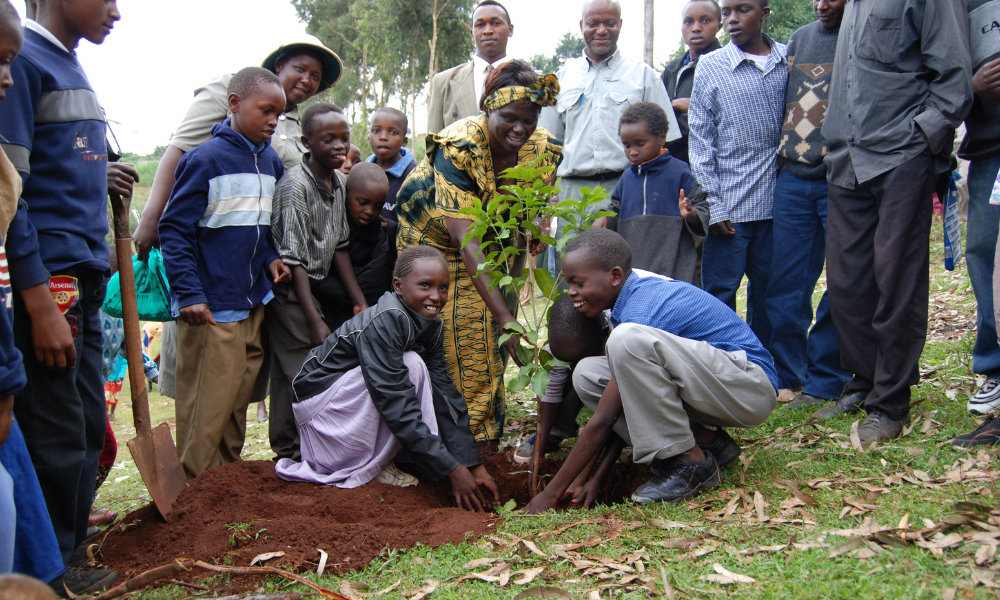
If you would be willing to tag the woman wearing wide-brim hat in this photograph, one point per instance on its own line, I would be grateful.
(305, 67)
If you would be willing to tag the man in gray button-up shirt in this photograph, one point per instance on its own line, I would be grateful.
(596, 88)
(900, 88)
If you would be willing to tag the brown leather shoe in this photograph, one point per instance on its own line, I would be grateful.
(847, 405)
(880, 427)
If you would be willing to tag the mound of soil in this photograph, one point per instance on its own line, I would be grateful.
(237, 511)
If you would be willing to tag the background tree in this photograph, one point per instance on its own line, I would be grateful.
(570, 46)
(389, 48)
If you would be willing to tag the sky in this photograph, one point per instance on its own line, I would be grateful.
(146, 71)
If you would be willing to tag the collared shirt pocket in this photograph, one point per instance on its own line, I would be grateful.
(881, 40)
(568, 100)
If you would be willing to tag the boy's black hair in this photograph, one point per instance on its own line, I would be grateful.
(314, 110)
(493, 3)
(649, 113)
(511, 73)
(9, 13)
(718, 9)
(396, 113)
(604, 247)
(367, 173)
(572, 332)
(250, 79)
(407, 258)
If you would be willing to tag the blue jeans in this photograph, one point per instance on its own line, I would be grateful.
(36, 552)
(980, 247)
(726, 258)
(804, 359)
(62, 415)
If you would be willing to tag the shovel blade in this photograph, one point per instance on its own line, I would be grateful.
(156, 458)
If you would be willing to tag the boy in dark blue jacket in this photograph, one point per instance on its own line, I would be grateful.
(661, 209)
(215, 237)
(53, 130)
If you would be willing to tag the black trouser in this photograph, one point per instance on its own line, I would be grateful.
(62, 415)
(877, 262)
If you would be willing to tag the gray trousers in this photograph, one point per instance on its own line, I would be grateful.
(666, 382)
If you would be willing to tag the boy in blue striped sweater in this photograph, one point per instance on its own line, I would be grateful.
(215, 237)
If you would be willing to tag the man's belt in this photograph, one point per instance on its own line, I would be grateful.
(606, 176)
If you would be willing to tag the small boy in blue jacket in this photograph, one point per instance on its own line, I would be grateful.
(662, 212)
(215, 236)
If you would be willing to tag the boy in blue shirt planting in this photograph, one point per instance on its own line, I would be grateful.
(680, 365)
(215, 237)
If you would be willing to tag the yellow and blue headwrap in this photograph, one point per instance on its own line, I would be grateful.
(543, 92)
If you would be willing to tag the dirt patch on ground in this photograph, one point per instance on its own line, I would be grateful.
(232, 513)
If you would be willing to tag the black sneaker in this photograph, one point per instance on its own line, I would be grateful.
(987, 434)
(848, 404)
(723, 447)
(676, 479)
(987, 399)
(83, 581)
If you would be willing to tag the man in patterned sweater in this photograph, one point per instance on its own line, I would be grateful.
(806, 361)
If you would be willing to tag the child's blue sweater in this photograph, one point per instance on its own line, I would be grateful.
(215, 234)
(52, 129)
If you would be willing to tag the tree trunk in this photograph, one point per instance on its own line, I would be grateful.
(436, 11)
(647, 43)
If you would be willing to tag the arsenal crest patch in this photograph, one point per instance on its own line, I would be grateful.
(65, 291)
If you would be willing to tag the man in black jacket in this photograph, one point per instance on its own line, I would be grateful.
(700, 23)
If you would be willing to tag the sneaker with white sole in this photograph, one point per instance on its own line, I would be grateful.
(393, 476)
(987, 399)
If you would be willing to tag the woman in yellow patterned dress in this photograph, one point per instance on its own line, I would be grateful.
(463, 163)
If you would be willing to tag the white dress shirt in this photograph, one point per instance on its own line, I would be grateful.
(480, 68)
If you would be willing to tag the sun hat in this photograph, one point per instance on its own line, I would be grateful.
(332, 65)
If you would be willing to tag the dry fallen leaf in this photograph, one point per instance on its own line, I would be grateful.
(544, 592)
(668, 524)
(388, 589)
(793, 487)
(322, 561)
(524, 546)
(527, 575)
(427, 590)
(668, 589)
(855, 438)
(352, 589)
(846, 547)
(734, 576)
(480, 562)
(948, 594)
(985, 553)
(758, 502)
(262, 558)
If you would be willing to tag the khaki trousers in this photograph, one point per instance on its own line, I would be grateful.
(666, 382)
(217, 366)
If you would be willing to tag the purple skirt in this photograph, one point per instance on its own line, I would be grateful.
(343, 439)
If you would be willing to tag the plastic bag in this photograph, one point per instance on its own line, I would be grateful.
(152, 292)
(952, 231)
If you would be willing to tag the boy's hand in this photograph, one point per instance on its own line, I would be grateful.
(318, 332)
(6, 417)
(280, 273)
(687, 211)
(586, 496)
(121, 177)
(51, 336)
(484, 479)
(464, 489)
(722, 228)
(541, 503)
(986, 81)
(197, 314)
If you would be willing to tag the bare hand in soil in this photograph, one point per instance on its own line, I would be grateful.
(483, 479)
(587, 495)
(540, 503)
(465, 491)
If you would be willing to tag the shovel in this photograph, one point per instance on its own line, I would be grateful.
(153, 448)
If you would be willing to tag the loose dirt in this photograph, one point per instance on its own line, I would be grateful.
(233, 513)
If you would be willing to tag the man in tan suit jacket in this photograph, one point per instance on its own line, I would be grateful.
(455, 92)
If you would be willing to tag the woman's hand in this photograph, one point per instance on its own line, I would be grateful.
(536, 246)
(465, 491)
(484, 479)
(511, 345)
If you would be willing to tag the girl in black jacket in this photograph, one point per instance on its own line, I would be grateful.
(379, 384)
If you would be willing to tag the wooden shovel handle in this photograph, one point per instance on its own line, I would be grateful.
(130, 315)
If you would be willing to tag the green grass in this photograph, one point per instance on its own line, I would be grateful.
(821, 461)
